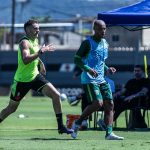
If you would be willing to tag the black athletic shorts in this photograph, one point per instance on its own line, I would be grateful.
(20, 89)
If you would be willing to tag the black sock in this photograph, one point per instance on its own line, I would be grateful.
(79, 121)
(1, 120)
(59, 120)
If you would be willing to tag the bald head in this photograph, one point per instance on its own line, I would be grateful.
(99, 23)
(99, 28)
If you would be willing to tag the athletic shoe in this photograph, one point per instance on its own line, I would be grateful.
(75, 128)
(65, 130)
(112, 136)
(73, 100)
(102, 124)
(84, 125)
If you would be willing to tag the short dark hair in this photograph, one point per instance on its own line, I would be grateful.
(138, 66)
(29, 23)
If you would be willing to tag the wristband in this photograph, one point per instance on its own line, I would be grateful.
(40, 52)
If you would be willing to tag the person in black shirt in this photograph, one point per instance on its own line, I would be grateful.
(133, 96)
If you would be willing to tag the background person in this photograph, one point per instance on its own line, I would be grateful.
(132, 96)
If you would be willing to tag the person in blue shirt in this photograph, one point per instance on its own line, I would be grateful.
(91, 58)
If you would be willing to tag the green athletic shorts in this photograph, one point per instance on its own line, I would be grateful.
(98, 92)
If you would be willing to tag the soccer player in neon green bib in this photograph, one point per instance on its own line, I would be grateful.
(28, 76)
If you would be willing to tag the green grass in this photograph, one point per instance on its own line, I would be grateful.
(38, 130)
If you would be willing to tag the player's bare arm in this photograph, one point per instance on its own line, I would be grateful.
(27, 57)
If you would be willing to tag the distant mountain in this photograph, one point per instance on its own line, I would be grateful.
(57, 9)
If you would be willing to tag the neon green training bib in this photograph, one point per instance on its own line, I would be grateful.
(27, 73)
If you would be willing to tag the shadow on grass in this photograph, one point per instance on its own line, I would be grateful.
(50, 139)
(132, 130)
(40, 139)
(44, 129)
(123, 129)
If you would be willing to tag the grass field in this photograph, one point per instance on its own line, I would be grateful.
(37, 131)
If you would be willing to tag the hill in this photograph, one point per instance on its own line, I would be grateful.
(56, 9)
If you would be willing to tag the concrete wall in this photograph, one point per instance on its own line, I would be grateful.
(126, 38)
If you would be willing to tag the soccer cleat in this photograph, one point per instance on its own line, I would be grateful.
(84, 125)
(112, 136)
(102, 124)
(65, 130)
(75, 127)
(73, 100)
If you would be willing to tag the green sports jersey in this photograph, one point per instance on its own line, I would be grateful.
(27, 72)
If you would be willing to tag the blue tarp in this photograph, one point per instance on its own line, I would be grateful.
(134, 15)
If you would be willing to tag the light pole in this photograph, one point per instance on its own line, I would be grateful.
(22, 4)
(12, 23)
(13, 20)
(78, 16)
